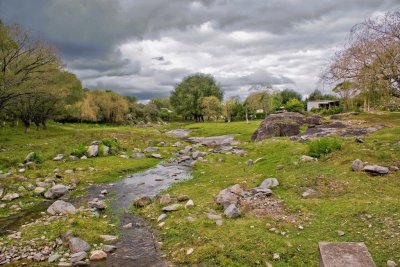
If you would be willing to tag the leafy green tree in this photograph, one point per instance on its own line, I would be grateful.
(23, 60)
(347, 91)
(288, 94)
(212, 107)
(294, 105)
(187, 97)
(317, 95)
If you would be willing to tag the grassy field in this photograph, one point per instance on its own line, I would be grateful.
(364, 207)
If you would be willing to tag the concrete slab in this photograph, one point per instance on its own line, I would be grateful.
(344, 254)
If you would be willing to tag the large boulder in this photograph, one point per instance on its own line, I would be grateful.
(56, 191)
(61, 207)
(281, 124)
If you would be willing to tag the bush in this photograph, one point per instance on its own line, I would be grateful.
(294, 105)
(79, 151)
(37, 157)
(112, 143)
(323, 146)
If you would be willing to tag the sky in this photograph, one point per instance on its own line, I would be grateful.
(144, 48)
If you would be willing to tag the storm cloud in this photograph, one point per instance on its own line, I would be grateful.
(144, 48)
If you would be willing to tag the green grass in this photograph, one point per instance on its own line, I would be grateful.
(365, 207)
(345, 199)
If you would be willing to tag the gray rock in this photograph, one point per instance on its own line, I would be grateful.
(189, 204)
(97, 204)
(108, 248)
(376, 170)
(232, 211)
(137, 155)
(229, 195)
(61, 207)
(156, 156)
(78, 256)
(124, 156)
(309, 193)
(151, 149)
(165, 199)
(39, 190)
(142, 201)
(269, 183)
(109, 238)
(172, 207)
(340, 233)
(357, 165)
(261, 190)
(76, 245)
(10, 196)
(54, 257)
(306, 158)
(161, 217)
(59, 157)
(214, 216)
(93, 151)
(56, 191)
(97, 255)
(391, 263)
(182, 198)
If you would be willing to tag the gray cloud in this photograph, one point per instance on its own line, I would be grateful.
(144, 48)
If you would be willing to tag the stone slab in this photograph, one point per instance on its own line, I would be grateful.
(344, 254)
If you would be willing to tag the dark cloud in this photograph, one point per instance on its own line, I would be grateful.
(146, 47)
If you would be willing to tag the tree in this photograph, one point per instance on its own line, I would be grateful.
(187, 97)
(347, 91)
(370, 59)
(47, 99)
(317, 95)
(294, 105)
(23, 60)
(288, 94)
(212, 107)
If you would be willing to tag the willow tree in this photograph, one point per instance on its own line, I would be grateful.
(370, 59)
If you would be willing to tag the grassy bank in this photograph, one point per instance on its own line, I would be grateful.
(364, 207)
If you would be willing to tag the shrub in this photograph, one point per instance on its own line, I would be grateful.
(37, 157)
(113, 144)
(294, 105)
(79, 151)
(323, 146)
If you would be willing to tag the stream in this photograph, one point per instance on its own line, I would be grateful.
(137, 246)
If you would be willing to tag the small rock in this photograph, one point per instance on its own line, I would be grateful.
(78, 245)
(59, 157)
(124, 156)
(93, 151)
(214, 216)
(232, 211)
(219, 222)
(305, 158)
(10, 196)
(69, 171)
(54, 257)
(357, 165)
(61, 207)
(108, 248)
(376, 170)
(269, 183)
(127, 226)
(142, 201)
(109, 238)
(97, 255)
(56, 191)
(156, 156)
(150, 149)
(97, 204)
(78, 256)
(138, 155)
(83, 157)
(340, 233)
(189, 251)
(191, 219)
(182, 198)
(64, 264)
(172, 207)
(309, 193)
(360, 140)
(189, 204)
(276, 256)
(39, 190)
(165, 199)
(161, 217)
(391, 263)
